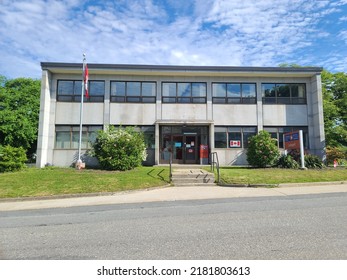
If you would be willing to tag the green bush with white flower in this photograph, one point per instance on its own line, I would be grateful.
(119, 148)
(262, 150)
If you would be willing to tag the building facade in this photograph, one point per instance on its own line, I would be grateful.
(179, 108)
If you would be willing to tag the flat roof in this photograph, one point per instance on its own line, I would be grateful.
(141, 69)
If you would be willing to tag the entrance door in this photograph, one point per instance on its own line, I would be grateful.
(177, 149)
(190, 149)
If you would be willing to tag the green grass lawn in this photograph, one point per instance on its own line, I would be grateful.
(242, 175)
(57, 181)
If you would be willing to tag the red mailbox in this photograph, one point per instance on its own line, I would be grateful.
(203, 154)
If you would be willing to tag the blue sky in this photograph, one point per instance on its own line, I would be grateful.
(173, 32)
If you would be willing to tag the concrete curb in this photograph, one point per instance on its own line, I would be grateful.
(282, 185)
(77, 195)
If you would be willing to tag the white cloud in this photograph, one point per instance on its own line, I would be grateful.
(211, 32)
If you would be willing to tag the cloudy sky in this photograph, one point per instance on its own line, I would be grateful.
(174, 32)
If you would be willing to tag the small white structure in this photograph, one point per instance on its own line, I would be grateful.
(178, 108)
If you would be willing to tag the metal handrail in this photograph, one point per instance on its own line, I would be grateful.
(215, 161)
(170, 175)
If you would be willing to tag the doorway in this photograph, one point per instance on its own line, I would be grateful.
(183, 143)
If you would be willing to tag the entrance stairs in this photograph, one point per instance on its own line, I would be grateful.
(190, 176)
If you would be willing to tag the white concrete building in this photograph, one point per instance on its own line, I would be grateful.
(179, 108)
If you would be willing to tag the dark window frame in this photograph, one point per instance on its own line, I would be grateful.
(86, 129)
(284, 100)
(231, 100)
(133, 98)
(287, 129)
(76, 96)
(187, 99)
(228, 130)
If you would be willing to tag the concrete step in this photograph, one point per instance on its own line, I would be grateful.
(192, 177)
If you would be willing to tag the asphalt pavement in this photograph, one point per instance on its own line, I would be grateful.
(170, 193)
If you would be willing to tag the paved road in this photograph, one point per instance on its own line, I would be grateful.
(291, 227)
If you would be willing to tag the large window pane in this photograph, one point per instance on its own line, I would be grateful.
(118, 88)
(198, 89)
(78, 88)
(63, 140)
(148, 89)
(269, 90)
(220, 140)
(283, 90)
(184, 90)
(97, 88)
(248, 90)
(65, 87)
(234, 90)
(169, 89)
(133, 89)
(219, 90)
(248, 132)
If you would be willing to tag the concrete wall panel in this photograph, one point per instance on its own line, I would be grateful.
(191, 112)
(69, 113)
(284, 115)
(235, 114)
(132, 114)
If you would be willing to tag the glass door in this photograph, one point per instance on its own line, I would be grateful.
(177, 149)
(190, 149)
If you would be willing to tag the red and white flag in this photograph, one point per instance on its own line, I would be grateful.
(86, 80)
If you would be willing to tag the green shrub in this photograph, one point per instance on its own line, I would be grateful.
(119, 149)
(12, 159)
(286, 161)
(262, 150)
(336, 153)
(312, 161)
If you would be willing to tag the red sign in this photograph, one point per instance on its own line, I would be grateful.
(235, 144)
(292, 141)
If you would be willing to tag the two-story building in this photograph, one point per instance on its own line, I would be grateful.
(178, 108)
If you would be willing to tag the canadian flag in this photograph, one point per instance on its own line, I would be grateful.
(85, 78)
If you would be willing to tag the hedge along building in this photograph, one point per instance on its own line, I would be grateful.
(178, 108)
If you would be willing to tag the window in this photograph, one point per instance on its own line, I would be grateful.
(284, 93)
(233, 137)
(133, 92)
(234, 93)
(71, 90)
(184, 93)
(67, 137)
(278, 133)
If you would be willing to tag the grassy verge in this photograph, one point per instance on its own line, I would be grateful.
(55, 181)
(241, 175)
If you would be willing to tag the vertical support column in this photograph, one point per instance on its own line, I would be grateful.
(44, 121)
(316, 119)
(209, 105)
(211, 137)
(107, 103)
(157, 144)
(260, 118)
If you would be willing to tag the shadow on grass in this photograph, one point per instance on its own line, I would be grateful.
(157, 175)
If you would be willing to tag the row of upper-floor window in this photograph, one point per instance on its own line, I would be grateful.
(183, 92)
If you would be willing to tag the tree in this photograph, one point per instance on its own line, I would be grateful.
(19, 112)
(119, 149)
(334, 87)
(262, 150)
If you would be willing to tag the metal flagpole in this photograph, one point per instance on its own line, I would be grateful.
(79, 161)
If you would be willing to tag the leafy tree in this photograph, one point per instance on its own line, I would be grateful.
(262, 150)
(19, 112)
(335, 108)
(119, 149)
